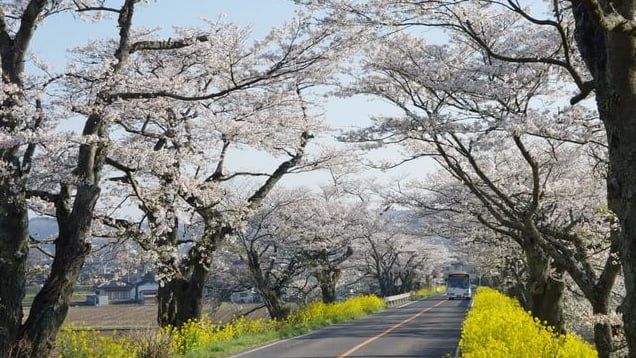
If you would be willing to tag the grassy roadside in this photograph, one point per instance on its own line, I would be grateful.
(204, 338)
(313, 317)
(237, 345)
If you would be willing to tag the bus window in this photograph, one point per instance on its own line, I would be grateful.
(458, 286)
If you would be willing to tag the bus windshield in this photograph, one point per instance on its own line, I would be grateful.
(458, 281)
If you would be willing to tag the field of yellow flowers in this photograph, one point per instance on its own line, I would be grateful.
(498, 327)
(206, 339)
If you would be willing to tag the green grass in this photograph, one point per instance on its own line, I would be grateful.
(315, 316)
(204, 338)
(79, 294)
(235, 346)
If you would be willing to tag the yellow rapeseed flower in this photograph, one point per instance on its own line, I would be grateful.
(497, 326)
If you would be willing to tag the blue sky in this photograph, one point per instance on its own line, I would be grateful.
(62, 32)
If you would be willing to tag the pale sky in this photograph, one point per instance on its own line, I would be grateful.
(63, 32)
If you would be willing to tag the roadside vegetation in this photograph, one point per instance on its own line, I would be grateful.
(204, 338)
(425, 292)
(497, 326)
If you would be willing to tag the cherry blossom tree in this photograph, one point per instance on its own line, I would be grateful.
(274, 265)
(21, 115)
(605, 38)
(195, 108)
(73, 185)
(586, 253)
(323, 232)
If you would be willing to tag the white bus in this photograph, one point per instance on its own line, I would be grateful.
(458, 286)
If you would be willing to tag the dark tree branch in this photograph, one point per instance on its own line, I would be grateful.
(612, 20)
(169, 44)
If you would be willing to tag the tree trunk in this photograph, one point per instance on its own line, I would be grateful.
(268, 287)
(622, 201)
(544, 293)
(384, 288)
(269, 291)
(50, 305)
(408, 282)
(600, 298)
(610, 57)
(13, 254)
(386, 281)
(620, 123)
(180, 299)
(276, 307)
(15, 164)
(616, 96)
(603, 335)
(327, 281)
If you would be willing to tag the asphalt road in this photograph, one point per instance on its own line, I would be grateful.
(420, 329)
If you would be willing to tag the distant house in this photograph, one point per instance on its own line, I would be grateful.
(247, 296)
(146, 289)
(115, 292)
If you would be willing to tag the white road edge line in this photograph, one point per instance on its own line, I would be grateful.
(281, 341)
(406, 304)
(267, 346)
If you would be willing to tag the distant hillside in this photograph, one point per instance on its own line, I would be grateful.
(42, 228)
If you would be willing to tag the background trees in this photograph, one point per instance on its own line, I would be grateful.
(339, 244)
(398, 261)
(484, 106)
(325, 231)
(274, 263)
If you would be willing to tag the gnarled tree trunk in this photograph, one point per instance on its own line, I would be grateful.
(327, 280)
(609, 51)
(267, 286)
(13, 254)
(603, 335)
(50, 305)
(16, 165)
(181, 298)
(276, 307)
(74, 218)
(544, 292)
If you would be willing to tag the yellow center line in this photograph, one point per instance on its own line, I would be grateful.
(373, 339)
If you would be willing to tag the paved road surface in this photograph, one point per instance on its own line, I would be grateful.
(421, 329)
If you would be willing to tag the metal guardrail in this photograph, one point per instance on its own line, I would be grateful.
(398, 299)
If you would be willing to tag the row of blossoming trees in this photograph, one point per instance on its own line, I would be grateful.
(165, 123)
(299, 242)
(500, 96)
(533, 175)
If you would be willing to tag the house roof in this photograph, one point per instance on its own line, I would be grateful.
(115, 286)
(146, 282)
